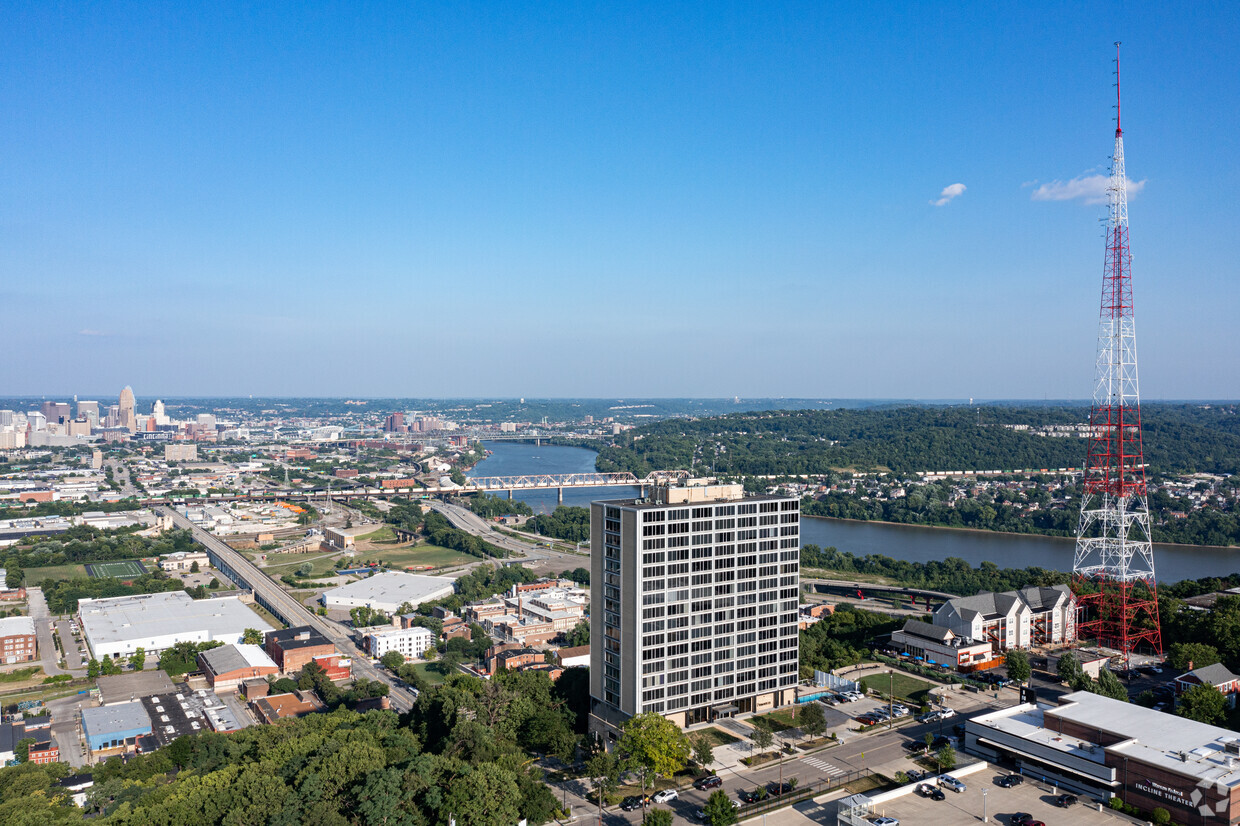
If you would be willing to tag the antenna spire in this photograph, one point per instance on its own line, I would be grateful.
(1118, 131)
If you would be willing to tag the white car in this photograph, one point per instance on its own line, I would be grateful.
(666, 796)
(885, 821)
(947, 713)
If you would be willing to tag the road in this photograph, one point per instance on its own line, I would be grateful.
(292, 611)
(48, 655)
(472, 523)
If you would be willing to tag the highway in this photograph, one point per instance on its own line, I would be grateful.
(472, 523)
(271, 596)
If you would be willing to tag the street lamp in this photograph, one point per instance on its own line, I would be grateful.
(985, 809)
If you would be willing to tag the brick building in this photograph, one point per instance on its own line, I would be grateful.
(17, 640)
(292, 648)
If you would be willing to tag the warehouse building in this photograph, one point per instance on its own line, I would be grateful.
(118, 626)
(115, 729)
(388, 592)
(228, 666)
(1095, 745)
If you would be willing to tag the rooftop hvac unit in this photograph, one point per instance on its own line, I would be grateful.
(1232, 747)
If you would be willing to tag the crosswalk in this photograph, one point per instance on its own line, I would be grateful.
(823, 766)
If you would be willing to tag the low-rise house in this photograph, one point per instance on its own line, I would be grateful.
(1217, 675)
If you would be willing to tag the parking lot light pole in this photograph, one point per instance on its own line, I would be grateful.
(985, 809)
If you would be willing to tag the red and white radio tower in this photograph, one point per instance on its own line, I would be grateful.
(1114, 564)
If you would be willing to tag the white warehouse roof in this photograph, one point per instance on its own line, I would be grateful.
(120, 625)
(387, 592)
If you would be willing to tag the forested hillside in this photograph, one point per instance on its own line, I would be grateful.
(1178, 439)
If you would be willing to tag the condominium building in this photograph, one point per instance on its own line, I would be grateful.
(694, 604)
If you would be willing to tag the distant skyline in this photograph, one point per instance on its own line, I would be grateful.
(804, 200)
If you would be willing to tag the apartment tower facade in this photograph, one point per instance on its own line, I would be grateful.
(694, 595)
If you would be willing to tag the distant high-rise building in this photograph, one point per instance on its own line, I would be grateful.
(128, 414)
(206, 420)
(694, 596)
(395, 423)
(161, 416)
(36, 421)
(56, 412)
(6, 418)
(89, 411)
(113, 419)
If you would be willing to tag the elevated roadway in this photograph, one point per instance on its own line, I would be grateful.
(287, 609)
(849, 586)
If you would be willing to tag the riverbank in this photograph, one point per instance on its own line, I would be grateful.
(988, 531)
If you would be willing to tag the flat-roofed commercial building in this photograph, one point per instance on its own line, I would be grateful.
(292, 648)
(228, 666)
(116, 727)
(118, 626)
(693, 604)
(388, 592)
(1093, 744)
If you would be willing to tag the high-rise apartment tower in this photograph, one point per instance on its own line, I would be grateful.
(693, 610)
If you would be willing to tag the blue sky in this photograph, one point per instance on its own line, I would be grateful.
(544, 199)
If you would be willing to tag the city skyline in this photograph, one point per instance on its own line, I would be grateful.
(389, 203)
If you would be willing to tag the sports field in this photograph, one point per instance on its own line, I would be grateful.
(122, 569)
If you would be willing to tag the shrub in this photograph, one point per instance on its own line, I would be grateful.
(1160, 816)
(1116, 803)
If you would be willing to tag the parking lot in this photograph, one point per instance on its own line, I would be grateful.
(998, 803)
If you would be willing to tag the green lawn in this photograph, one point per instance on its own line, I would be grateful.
(36, 575)
(718, 737)
(279, 564)
(432, 677)
(775, 721)
(901, 685)
(384, 534)
(422, 555)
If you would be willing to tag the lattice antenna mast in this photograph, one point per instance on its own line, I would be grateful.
(1114, 561)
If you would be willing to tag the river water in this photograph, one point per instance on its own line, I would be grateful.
(916, 544)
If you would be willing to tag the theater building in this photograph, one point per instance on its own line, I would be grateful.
(1094, 745)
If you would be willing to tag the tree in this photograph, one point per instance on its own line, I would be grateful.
(1018, 665)
(703, 750)
(1108, 685)
(13, 577)
(1203, 703)
(392, 660)
(22, 749)
(653, 745)
(812, 721)
(213, 584)
(1189, 655)
(252, 636)
(762, 738)
(137, 660)
(946, 757)
(92, 668)
(305, 569)
(109, 667)
(193, 569)
(1068, 668)
(579, 634)
(603, 770)
(657, 817)
(719, 809)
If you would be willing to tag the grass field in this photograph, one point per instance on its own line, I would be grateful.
(718, 737)
(36, 575)
(430, 555)
(776, 721)
(384, 534)
(432, 677)
(901, 685)
(122, 569)
(279, 564)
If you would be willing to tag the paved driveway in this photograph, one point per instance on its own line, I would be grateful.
(48, 655)
(73, 656)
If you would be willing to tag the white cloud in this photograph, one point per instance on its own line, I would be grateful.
(948, 193)
(89, 332)
(1090, 189)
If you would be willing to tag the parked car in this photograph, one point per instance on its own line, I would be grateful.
(914, 775)
(710, 781)
(632, 802)
(952, 783)
(914, 746)
(1024, 819)
(885, 821)
(751, 796)
(947, 713)
(1066, 800)
(932, 792)
(940, 741)
(775, 789)
(666, 796)
(1010, 781)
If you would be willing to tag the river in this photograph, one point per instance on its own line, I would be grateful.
(916, 544)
